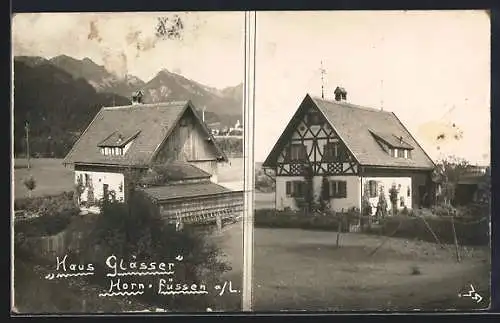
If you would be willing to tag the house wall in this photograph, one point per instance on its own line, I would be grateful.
(186, 142)
(115, 181)
(403, 184)
(353, 198)
(420, 180)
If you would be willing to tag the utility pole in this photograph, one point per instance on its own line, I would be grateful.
(323, 72)
(381, 95)
(27, 129)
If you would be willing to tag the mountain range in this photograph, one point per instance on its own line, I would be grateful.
(61, 95)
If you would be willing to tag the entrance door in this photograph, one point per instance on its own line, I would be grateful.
(105, 192)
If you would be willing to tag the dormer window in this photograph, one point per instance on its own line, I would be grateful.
(117, 143)
(395, 146)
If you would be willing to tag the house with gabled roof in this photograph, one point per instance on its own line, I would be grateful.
(354, 153)
(136, 139)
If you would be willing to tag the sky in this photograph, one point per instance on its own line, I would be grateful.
(431, 68)
(211, 50)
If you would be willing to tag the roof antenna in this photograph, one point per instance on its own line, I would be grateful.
(381, 95)
(323, 72)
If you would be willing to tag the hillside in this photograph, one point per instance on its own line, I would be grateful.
(98, 76)
(61, 95)
(57, 106)
(171, 86)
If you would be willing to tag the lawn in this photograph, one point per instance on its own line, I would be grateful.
(303, 270)
(50, 175)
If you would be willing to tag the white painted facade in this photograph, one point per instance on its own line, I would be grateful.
(354, 185)
(352, 199)
(403, 184)
(98, 180)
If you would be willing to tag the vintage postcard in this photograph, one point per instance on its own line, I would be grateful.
(372, 151)
(251, 161)
(128, 162)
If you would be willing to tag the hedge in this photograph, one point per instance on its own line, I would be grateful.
(54, 213)
(269, 218)
(469, 231)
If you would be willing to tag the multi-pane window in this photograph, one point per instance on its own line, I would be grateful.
(112, 151)
(372, 188)
(297, 152)
(337, 189)
(401, 153)
(331, 151)
(295, 188)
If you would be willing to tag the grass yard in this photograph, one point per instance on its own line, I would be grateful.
(303, 270)
(50, 175)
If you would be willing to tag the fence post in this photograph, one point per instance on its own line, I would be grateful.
(455, 237)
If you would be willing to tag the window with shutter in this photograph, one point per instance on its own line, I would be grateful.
(338, 189)
(342, 189)
(288, 188)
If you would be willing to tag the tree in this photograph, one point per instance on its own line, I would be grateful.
(132, 230)
(382, 203)
(324, 198)
(30, 184)
(452, 169)
(393, 196)
(79, 189)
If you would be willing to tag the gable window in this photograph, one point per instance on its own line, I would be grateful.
(331, 151)
(313, 118)
(372, 188)
(295, 188)
(297, 152)
(337, 189)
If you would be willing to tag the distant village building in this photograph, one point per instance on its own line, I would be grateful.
(134, 139)
(354, 153)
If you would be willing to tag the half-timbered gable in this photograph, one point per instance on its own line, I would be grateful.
(310, 139)
(353, 152)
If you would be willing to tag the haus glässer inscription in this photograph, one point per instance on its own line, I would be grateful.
(120, 272)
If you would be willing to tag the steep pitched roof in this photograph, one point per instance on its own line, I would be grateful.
(151, 124)
(177, 170)
(355, 125)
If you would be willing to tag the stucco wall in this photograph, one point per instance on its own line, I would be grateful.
(353, 198)
(98, 179)
(403, 184)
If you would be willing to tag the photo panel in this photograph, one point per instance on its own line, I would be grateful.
(128, 168)
(372, 161)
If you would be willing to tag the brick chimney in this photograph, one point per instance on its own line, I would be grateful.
(340, 94)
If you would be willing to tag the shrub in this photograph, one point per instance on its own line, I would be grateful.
(46, 205)
(30, 184)
(415, 270)
(130, 230)
(469, 232)
(269, 218)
